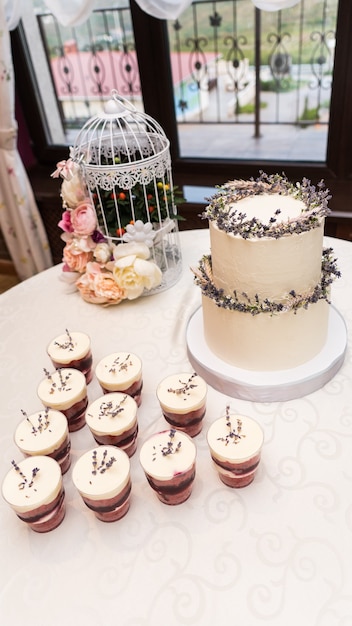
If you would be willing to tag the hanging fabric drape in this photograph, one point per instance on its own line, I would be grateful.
(74, 12)
(20, 220)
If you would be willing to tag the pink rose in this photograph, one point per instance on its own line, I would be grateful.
(65, 222)
(83, 219)
(76, 262)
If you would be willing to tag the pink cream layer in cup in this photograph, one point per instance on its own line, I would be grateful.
(45, 433)
(182, 398)
(168, 459)
(72, 349)
(235, 443)
(65, 390)
(34, 489)
(112, 420)
(102, 477)
(121, 371)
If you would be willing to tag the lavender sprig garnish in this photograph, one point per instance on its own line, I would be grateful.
(235, 433)
(230, 220)
(25, 481)
(104, 464)
(68, 345)
(171, 447)
(185, 388)
(242, 302)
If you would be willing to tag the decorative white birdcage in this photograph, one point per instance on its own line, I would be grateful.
(125, 160)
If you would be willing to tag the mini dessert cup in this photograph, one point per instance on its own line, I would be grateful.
(112, 420)
(45, 433)
(121, 371)
(72, 350)
(168, 459)
(65, 390)
(235, 443)
(34, 489)
(102, 477)
(182, 398)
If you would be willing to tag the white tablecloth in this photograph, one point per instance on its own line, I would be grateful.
(278, 551)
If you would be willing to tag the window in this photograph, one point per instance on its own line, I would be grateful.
(200, 85)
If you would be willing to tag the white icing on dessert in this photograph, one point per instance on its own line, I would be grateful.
(158, 463)
(244, 443)
(42, 432)
(111, 414)
(118, 371)
(98, 482)
(181, 393)
(69, 347)
(25, 494)
(62, 389)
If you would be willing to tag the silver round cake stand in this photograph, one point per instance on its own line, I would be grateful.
(276, 386)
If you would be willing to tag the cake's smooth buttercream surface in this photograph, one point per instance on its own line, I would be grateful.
(264, 341)
(266, 267)
(266, 283)
(25, 493)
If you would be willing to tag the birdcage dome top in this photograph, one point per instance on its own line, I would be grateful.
(120, 136)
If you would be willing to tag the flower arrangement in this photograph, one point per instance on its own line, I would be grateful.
(103, 272)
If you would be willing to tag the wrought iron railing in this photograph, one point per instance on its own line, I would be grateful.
(231, 63)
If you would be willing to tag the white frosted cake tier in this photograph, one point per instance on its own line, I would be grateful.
(272, 386)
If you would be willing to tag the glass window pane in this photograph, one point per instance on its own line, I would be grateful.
(82, 64)
(252, 84)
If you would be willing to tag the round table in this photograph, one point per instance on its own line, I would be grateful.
(275, 552)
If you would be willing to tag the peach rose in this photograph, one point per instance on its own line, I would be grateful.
(76, 261)
(99, 287)
(83, 219)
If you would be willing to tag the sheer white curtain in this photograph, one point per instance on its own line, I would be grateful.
(20, 221)
(72, 12)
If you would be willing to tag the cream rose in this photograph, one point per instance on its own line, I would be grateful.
(133, 275)
(73, 190)
(102, 253)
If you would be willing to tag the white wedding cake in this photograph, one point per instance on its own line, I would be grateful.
(266, 285)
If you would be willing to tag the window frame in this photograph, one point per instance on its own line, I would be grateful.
(159, 103)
